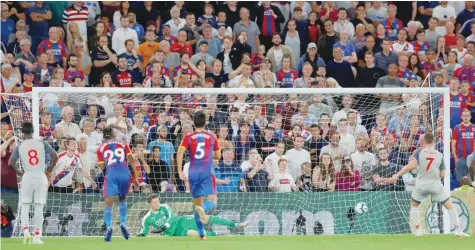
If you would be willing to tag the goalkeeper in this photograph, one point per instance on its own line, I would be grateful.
(161, 218)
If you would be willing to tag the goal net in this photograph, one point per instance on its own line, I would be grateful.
(294, 161)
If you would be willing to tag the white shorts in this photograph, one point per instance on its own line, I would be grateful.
(34, 188)
(434, 189)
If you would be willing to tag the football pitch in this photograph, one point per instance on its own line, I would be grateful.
(351, 242)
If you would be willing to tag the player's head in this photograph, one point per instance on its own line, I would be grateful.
(154, 202)
(108, 133)
(466, 116)
(428, 139)
(27, 128)
(199, 119)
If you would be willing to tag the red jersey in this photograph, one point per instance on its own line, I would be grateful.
(201, 145)
(180, 48)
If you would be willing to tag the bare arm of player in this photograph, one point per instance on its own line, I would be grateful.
(454, 149)
(410, 166)
(179, 163)
(12, 162)
(54, 158)
(131, 161)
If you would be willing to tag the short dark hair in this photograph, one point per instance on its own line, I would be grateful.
(151, 197)
(108, 133)
(27, 128)
(199, 119)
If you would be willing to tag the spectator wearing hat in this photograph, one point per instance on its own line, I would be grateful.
(28, 78)
(202, 54)
(312, 57)
(166, 35)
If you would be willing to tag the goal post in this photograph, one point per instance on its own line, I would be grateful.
(269, 212)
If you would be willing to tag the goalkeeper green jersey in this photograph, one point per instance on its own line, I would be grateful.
(177, 225)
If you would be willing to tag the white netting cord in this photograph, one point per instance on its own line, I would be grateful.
(370, 119)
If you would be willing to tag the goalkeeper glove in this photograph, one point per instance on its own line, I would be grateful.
(163, 228)
(140, 235)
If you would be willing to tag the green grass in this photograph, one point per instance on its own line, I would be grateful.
(353, 242)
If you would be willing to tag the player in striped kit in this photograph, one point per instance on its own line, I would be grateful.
(463, 144)
(203, 148)
(430, 169)
(34, 182)
(114, 156)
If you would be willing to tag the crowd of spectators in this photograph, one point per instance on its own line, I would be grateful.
(269, 143)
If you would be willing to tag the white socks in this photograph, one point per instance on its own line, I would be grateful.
(25, 217)
(414, 215)
(454, 219)
(38, 218)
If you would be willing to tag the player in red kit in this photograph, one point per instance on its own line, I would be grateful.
(203, 149)
(463, 144)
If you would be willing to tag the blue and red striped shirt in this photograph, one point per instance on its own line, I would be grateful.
(464, 135)
(465, 74)
(456, 108)
(405, 74)
(59, 49)
(392, 27)
(268, 23)
(114, 156)
(420, 47)
(201, 145)
(287, 78)
(187, 70)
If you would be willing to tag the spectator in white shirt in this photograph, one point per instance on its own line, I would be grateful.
(282, 182)
(296, 156)
(401, 45)
(362, 158)
(138, 127)
(88, 162)
(275, 157)
(444, 13)
(347, 141)
(123, 34)
(119, 123)
(97, 136)
(69, 128)
(472, 36)
(347, 103)
(176, 23)
(343, 24)
(243, 80)
(357, 130)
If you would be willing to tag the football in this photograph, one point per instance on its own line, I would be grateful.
(361, 208)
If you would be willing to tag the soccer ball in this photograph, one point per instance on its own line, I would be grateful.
(361, 208)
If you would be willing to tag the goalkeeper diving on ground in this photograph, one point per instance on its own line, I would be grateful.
(161, 218)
